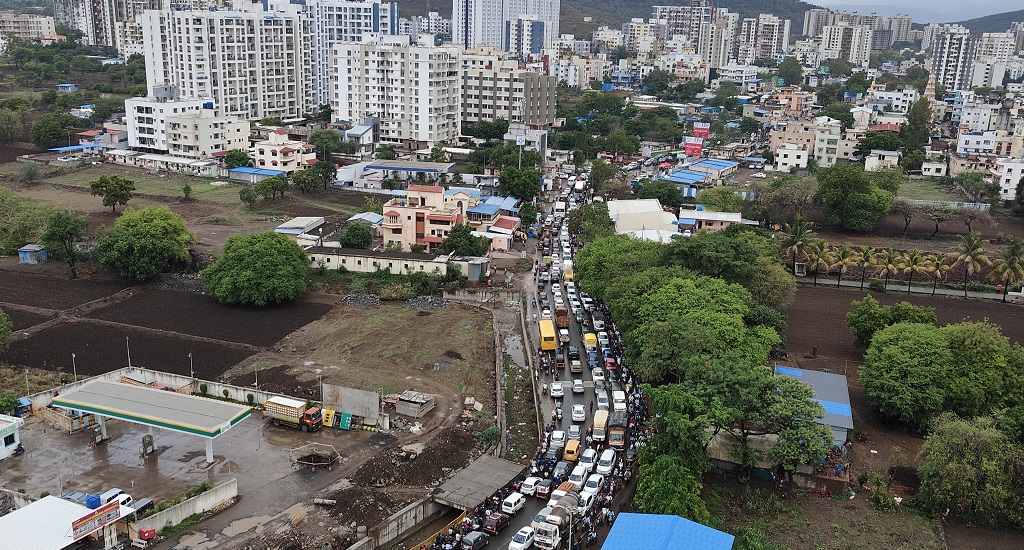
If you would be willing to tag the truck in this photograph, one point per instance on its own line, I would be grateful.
(294, 413)
(600, 425)
(562, 317)
(618, 430)
(553, 533)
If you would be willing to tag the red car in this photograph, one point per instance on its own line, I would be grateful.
(494, 523)
(609, 363)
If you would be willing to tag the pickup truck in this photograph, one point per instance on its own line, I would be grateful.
(294, 413)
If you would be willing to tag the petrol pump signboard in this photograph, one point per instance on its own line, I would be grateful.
(96, 520)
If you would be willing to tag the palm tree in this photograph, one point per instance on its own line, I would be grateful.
(915, 262)
(889, 264)
(971, 254)
(865, 259)
(844, 258)
(798, 236)
(938, 266)
(1008, 267)
(818, 255)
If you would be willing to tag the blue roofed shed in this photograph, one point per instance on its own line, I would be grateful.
(833, 392)
(716, 168)
(248, 174)
(33, 254)
(663, 532)
(688, 177)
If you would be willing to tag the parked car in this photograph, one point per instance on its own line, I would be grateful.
(597, 374)
(495, 523)
(759, 175)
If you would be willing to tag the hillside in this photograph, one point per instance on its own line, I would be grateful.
(616, 12)
(999, 22)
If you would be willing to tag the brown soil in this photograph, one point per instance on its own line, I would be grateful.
(365, 506)
(53, 292)
(277, 380)
(451, 449)
(23, 319)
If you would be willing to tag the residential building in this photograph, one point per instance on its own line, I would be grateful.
(1008, 173)
(329, 22)
(739, 74)
(827, 133)
(879, 160)
(34, 28)
(899, 100)
(147, 116)
(953, 57)
(710, 222)
(110, 23)
(847, 42)
(279, 152)
(607, 38)
(715, 43)
(414, 90)
(790, 157)
(640, 215)
(685, 20)
(987, 73)
(524, 38)
(794, 101)
(793, 132)
(201, 134)
(999, 47)
(976, 118)
(569, 43)
(250, 62)
(493, 87)
(815, 21)
(370, 261)
(983, 143)
(762, 37)
(934, 168)
(420, 217)
(577, 72)
(637, 31)
(483, 22)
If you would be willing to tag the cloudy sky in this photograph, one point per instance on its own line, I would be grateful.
(926, 11)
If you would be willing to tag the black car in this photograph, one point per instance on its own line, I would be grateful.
(574, 353)
(561, 469)
(553, 454)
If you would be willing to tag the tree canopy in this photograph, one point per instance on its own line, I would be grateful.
(114, 189)
(236, 158)
(461, 241)
(63, 231)
(523, 184)
(356, 235)
(721, 199)
(867, 316)
(665, 191)
(791, 71)
(143, 242)
(850, 198)
(257, 269)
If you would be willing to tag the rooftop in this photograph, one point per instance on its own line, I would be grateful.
(42, 525)
(633, 206)
(474, 483)
(663, 532)
(686, 177)
(411, 166)
(831, 390)
(717, 164)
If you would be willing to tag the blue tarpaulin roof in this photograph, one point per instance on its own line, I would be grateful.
(754, 159)
(486, 209)
(469, 191)
(717, 164)
(71, 148)
(686, 177)
(663, 532)
(256, 171)
(505, 203)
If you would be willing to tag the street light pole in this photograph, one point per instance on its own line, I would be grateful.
(74, 366)
(191, 371)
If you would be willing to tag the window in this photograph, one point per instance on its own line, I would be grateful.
(9, 440)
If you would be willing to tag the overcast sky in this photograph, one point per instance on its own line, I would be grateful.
(926, 11)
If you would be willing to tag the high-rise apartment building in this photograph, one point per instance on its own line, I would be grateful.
(715, 43)
(413, 89)
(482, 22)
(106, 22)
(251, 62)
(493, 87)
(953, 57)
(329, 22)
(524, 38)
(847, 42)
(888, 30)
(763, 37)
(685, 20)
(35, 28)
(996, 47)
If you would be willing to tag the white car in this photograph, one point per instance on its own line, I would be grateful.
(577, 387)
(575, 432)
(598, 374)
(556, 288)
(606, 463)
(586, 502)
(602, 339)
(588, 303)
(529, 485)
(579, 413)
(593, 484)
(541, 516)
(558, 439)
(546, 314)
(759, 175)
(598, 325)
(577, 475)
(588, 459)
(559, 302)
(556, 390)
(522, 540)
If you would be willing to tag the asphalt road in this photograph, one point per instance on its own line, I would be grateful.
(533, 505)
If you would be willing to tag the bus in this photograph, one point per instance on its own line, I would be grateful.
(548, 335)
(600, 423)
(618, 430)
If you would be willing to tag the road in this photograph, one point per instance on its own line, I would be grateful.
(533, 505)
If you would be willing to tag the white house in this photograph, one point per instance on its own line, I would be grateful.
(278, 152)
(1007, 172)
(10, 436)
(881, 160)
(790, 156)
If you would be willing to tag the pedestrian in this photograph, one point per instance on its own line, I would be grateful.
(591, 407)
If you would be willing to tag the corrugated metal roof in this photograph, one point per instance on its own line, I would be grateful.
(152, 407)
(831, 390)
(717, 164)
(687, 177)
(663, 532)
(42, 525)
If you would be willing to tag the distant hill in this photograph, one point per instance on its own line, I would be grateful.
(617, 12)
(999, 22)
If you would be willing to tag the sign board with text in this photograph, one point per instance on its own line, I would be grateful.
(694, 146)
(96, 520)
(701, 130)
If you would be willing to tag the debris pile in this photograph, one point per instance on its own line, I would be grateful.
(426, 302)
(362, 300)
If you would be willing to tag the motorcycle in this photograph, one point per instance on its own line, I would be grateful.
(19, 450)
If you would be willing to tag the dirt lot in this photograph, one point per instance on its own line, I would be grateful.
(817, 318)
(43, 291)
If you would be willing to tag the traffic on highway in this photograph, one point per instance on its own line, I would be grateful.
(594, 413)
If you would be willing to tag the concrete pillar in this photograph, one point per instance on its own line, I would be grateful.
(209, 451)
(109, 537)
(103, 426)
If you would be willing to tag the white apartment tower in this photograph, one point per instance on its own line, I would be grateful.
(326, 23)
(953, 58)
(763, 37)
(250, 62)
(848, 42)
(483, 22)
(685, 20)
(414, 90)
(996, 47)
(715, 42)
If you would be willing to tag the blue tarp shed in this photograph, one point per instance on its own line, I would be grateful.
(505, 203)
(664, 532)
(686, 177)
(485, 209)
(716, 164)
(256, 171)
(761, 160)
(833, 392)
(73, 148)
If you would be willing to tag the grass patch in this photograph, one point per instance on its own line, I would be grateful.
(520, 411)
(152, 183)
(926, 190)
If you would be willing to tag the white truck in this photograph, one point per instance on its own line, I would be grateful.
(553, 534)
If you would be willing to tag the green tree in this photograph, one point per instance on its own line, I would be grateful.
(356, 235)
(461, 242)
(327, 142)
(881, 140)
(715, 254)
(438, 154)
(236, 158)
(914, 263)
(8, 401)
(667, 486)
(791, 71)
(257, 269)
(48, 132)
(590, 222)
(839, 111)
(30, 172)
(749, 125)
(143, 242)
(917, 131)
(906, 209)
(523, 184)
(889, 179)
(865, 260)
(913, 160)
(528, 214)
(657, 81)
(797, 238)
(849, 198)
(938, 215)
(905, 372)
(843, 258)
(12, 124)
(63, 232)
(6, 333)
(665, 191)
(867, 316)
(386, 152)
(970, 253)
(600, 173)
(725, 95)
(721, 199)
(307, 179)
(1008, 266)
(971, 469)
(976, 188)
(115, 190)
(247, 195)
(770, 285)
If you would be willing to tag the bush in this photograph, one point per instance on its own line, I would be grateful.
(226, 393)
(250, 398)
(202, 389)
(980, 287)
(489, 437)
(876, 286)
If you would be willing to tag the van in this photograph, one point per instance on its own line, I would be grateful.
(142, 506)
(513, 503)
(590, 341)
(572, 450)
(125, 499)
(618, 401)
(109, 496)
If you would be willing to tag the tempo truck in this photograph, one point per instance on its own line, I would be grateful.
(294, 413)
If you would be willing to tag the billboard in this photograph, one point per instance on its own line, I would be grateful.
(701, 130)
(352, 401)
(96, 520)
(693, 147)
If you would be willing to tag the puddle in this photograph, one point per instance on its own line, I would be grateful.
(245, 524)
(196, 541)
